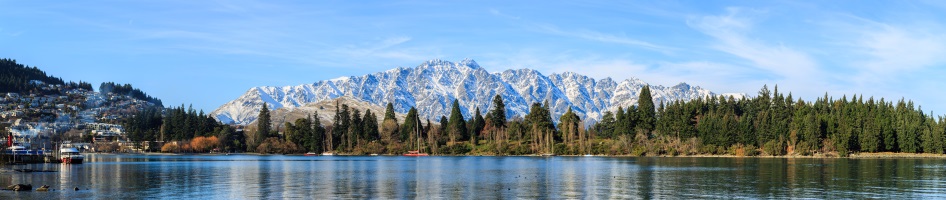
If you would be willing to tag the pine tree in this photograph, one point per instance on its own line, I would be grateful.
(497, 116)
(389, 126)
(263, 124)
(568, 126)
(620, 123)
(457, 127)
(444, 123)
(605, 128)
(409, 127)
(340, 125)
(355, 131)
(478, 123)
(370, 126)
(316, 139)
(389, 112)
(646, 111)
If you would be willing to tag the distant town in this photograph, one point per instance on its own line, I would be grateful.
(59, 113)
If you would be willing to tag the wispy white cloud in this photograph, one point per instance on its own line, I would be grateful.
(889, 49)
(603, 37)
(774, 62)
(731, 33)
(496, 12)
(585, 34)
(889, 57)
(376, 47)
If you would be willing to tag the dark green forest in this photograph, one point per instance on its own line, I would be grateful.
(127, 90)
(15, 77)
(180, 124)
(771, 123)
(782, 125)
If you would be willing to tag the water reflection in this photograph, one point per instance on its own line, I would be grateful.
(247, 176)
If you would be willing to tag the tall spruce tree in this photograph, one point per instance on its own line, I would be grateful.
(620, 123)
(605, 128)
(317, 137)
(457, 126)
(497, 116)
(263, 124)
(389, 112)
(355, 131)
(646, 112)
(478, 123)
(370, 126)
(410, 125)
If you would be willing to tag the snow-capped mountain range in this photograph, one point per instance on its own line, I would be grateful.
(432, 86)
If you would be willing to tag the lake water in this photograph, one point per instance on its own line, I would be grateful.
(387, 177)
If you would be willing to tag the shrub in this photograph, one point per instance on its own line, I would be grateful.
(804, 148)
(277, 146)
(398, 148)
(374, 147)
(638, 150)
(742, 150)
(773, 148)
(562, 149)
(458, 148)
(520, 149)
(170, 148)
(204, 144)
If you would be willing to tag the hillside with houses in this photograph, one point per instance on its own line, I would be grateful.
(38, 110)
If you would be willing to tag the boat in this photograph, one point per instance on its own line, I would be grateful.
(415, 153)
(17, 149)
(311, 154)
(328, 153)
(70, 155)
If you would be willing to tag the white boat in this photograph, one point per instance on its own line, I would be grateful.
(328, 154)
(70, 155)
(17, 148)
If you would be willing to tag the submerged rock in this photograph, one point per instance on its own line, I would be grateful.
(43, 188)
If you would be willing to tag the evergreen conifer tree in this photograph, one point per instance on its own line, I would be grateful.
(263, 124)
(457, 126)
(647, 113)
(497, 116)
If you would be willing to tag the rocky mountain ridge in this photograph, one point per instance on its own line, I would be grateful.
(432, 86)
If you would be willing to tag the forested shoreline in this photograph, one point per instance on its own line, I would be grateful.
(769, 124)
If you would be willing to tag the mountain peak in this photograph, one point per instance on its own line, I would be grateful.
(469, 63)
(436, 62)
(435, 84)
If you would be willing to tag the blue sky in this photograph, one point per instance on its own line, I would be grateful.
(206, 53)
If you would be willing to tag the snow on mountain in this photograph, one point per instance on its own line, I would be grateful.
(432, 86)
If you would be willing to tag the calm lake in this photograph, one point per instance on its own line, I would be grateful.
(253, 177)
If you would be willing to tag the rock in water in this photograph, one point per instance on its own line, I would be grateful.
(21, 187)
(43, 188)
